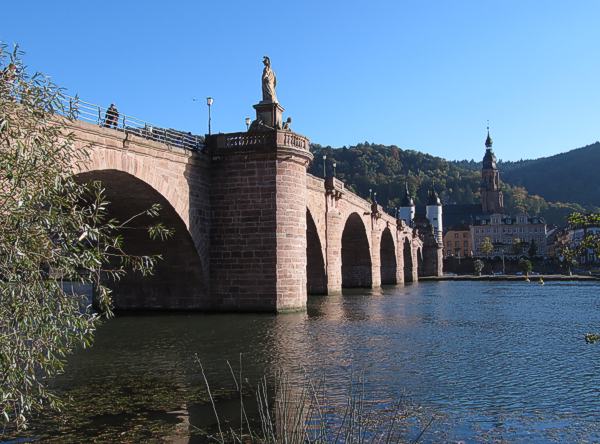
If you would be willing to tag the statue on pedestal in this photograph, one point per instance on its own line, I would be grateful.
(269, 82)
(268, 110)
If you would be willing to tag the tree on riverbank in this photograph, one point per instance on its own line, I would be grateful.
(54, 230)
(590, 242)
(487, 247)
(526, 266)
(478, 267)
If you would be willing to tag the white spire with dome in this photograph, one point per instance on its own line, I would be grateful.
(433, 212)
(407, 207)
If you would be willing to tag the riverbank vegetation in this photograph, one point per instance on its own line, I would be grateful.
(306, 412)
(54, 231)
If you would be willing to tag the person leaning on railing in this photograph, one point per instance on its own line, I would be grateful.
(111, 119)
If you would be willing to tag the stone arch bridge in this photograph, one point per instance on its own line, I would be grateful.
(253, 230)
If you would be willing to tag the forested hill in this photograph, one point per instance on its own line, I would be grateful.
(385, 169)
(572, 176)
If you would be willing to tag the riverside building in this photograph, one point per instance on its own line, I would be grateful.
(457, 241)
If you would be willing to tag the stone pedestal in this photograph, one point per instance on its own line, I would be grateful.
(270, 114)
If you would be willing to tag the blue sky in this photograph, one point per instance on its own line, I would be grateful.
(423, 75)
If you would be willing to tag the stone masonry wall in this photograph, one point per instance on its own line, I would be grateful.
(243, 231)
(291, 232)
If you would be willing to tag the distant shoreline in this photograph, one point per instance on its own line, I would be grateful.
(532, 278)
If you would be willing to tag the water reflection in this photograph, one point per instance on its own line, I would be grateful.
(492, 361)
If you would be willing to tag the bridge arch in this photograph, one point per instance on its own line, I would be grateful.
(420, 261)
(387, 255)
(179, 278)
(167, 172)
(356, 255)
(316, 276)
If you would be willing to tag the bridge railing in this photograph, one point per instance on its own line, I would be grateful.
(104, 117)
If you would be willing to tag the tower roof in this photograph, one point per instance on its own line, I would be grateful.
(433, 198)
(407, 201)
(489, 159)
(488, 140)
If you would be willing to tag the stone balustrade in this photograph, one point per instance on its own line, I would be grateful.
(244, 140)
(292, 140)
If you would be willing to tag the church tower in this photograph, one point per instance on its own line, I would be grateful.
(492, 200)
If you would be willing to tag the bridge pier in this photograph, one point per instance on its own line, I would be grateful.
(433, 255)
(399, 254)
(415, 263)
(375, 254)
(258, 221)
(333, 248)
(430, 250)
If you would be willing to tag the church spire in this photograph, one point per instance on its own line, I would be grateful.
(488, 140)
(492, 200)
(489, 159)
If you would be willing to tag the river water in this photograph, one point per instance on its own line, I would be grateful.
(483, 361)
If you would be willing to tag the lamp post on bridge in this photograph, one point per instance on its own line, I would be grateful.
(324, 171)
(209, 102)
(334, 165)
(248, 121)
